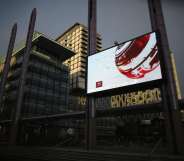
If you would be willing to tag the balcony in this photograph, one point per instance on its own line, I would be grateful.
(14, 74)
(12, 85)
(47, 59)
(11, 96)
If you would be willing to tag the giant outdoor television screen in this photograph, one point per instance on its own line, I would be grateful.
(129, 63)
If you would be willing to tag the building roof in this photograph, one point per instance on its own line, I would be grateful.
(50, 45)
(55, 48)
(70, 28)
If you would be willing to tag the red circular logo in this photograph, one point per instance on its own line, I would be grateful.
(136, 58)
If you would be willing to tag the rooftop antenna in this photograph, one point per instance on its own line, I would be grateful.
(117, 44)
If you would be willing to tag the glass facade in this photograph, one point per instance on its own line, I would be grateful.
(46, 86)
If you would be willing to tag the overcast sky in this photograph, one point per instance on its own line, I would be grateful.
(117, 20)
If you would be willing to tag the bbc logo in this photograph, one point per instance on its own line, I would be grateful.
(99, 84)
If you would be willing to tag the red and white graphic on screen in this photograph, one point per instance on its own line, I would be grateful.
(138, 57)
(99, 84)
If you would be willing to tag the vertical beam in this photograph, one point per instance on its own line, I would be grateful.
(7, 62)
(91, 27)
(169, 93)
(91, 111)
(15, 125)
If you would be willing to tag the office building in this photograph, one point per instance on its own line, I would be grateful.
(47, 79)
(76, 38)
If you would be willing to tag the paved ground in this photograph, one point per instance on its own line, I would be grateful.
(58, 154)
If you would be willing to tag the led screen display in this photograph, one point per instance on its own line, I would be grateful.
(129, 63)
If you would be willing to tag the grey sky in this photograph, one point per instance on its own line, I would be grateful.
(117, 20)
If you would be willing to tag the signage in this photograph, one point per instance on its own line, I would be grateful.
(123, 100)
(129, 63)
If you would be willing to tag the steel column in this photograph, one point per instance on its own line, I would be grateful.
(170, 102)
(7, 62)
(91, 27)
(91, 111)
(15, 125)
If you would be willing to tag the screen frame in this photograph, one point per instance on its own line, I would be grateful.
(142, 85)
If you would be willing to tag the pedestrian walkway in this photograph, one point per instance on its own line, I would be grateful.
(58, 154)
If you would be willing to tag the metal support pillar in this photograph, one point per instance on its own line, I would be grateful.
(7, 62)
(170, 102)
(16, 117)
(91, 111)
